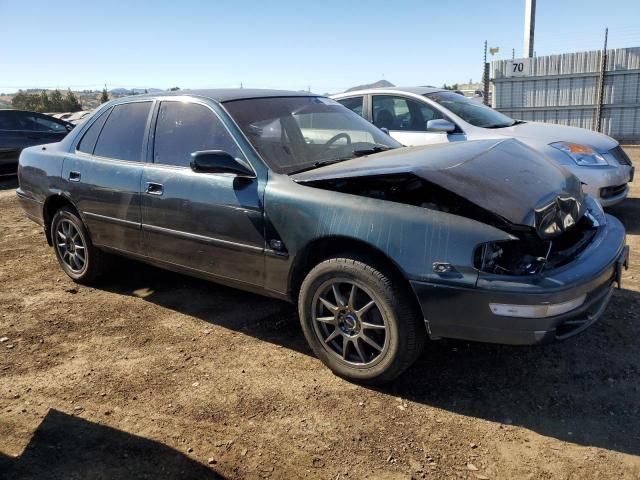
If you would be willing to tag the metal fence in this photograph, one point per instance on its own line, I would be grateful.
(565, 89)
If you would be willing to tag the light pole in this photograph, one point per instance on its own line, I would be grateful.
(529, 27)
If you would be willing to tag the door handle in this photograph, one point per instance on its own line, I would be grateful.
(154, 188)
(74, 176)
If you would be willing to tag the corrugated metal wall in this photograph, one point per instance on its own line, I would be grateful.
(563, 89)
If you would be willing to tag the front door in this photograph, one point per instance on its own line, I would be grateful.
(206, 222)
(103, 175)
(406, 119)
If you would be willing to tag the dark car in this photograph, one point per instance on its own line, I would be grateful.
(20, 129)
(294, 196)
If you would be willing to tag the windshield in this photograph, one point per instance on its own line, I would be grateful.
(471, 111)
(298, 133)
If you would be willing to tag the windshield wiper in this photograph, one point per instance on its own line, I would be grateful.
(377, 148)
(368, 151)
(502, 125)
(321, 163)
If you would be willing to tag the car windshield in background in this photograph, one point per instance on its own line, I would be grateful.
(470, 111)
(298, 133)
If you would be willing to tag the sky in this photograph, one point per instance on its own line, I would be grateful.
(325, 45)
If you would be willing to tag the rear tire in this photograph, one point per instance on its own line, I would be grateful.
(359, 322)
(72, 245)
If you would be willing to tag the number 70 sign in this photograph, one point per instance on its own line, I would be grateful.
(519, 67)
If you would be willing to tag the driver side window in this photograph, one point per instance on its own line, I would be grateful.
(183, 128)
(402, 114)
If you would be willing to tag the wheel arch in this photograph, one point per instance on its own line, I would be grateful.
(51, 205)
(320, 249)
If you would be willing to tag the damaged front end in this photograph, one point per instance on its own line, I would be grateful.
(502, 184)
(562, 229)
(531, 255)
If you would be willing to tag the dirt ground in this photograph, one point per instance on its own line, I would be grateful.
(156, 375)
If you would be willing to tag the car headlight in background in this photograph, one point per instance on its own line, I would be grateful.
(581, 154)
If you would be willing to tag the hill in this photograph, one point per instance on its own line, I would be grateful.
(378, 84)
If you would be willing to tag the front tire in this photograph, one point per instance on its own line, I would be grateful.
(359, 322)
(72, 245)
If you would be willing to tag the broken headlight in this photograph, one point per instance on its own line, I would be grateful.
(507, 258)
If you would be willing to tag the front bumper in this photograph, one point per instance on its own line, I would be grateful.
(598, 180)
(464, 313)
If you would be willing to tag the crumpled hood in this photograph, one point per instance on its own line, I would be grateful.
(540, 134)
(504, 177)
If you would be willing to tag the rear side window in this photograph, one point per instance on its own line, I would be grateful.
(123, 132)
(37, 123)
(354, 104)
(183, 128)
(88, 142)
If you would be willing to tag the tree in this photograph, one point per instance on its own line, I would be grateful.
(104, 98)
(71, 102)
(455, 86)
(57, 102)
(26, 101)
(174, 89)
(45, 104)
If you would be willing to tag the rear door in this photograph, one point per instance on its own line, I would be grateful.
(103, 176)
(406, 119)
(207, 222)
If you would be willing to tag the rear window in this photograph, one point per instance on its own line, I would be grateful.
(37, 123)
(123, 132)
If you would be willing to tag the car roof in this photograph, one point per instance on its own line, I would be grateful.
(424, 90)
(18, 110)
(230, 94)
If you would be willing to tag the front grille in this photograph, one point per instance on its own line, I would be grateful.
(610, 192)
(620, 155)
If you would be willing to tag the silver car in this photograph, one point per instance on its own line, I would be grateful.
(426, 115)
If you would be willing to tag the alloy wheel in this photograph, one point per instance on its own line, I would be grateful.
(349, 322)
(71, 246)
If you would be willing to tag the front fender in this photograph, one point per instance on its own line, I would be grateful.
(411, 237)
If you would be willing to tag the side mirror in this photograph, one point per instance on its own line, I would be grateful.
(440, 125)
(385, 130)
(218, 161)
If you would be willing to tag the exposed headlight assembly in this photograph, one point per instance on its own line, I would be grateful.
(581, 154)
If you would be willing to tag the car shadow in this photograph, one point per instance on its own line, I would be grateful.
(8, 182)
(584, 390)
(67, 447)
(268, 319)
(628, 212)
